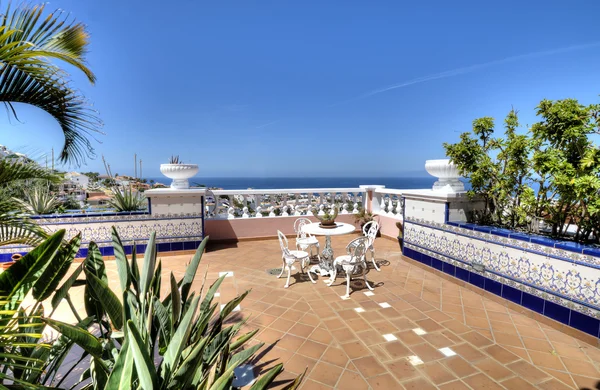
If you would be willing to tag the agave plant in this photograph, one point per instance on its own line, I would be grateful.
(184, 328)
(15, 179)
(39, 200)
(127, 200)
(175, 160)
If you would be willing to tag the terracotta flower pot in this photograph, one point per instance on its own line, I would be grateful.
(5, 265)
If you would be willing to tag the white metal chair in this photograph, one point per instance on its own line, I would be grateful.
(305, 240)
(370, 232)
(289, 257)
(356, 251)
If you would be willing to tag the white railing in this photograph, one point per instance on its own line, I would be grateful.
(388, 202)
(233, 204)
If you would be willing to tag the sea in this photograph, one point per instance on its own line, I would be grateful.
(242, 183)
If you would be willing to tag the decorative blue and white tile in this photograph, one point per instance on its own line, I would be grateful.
(131, 228)
(542, 271)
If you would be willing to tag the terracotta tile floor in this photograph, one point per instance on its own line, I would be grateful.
(342, 341)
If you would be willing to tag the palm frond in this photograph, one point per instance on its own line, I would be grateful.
(12, 170)
(16, 227)
(27, 44)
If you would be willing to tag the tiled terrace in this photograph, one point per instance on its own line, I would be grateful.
(369, 341)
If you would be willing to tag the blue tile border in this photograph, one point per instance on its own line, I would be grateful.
(101, 219)
(570, 246)
(542, 306)
(490, 271)
(140, 248)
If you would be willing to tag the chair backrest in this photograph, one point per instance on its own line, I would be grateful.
(283, 243)
(212, 209)
(370, 231)
(357, 249)
(298, 224)
(367, 226)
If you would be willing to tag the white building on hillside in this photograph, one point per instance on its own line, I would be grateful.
(80, 179)
(6, 152)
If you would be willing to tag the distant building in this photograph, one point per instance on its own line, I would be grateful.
(69, 188)
(7, 153)
(82, 180)
(141, 186)
(98, 200)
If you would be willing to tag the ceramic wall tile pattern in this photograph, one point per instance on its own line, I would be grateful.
(132, 229)
(565, 277)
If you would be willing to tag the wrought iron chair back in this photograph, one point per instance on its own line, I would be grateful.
(283, 243)
(357, 250)
(298, 224)
(370, 231)
(288, 258)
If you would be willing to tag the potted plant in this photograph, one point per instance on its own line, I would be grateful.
(13, 259)
(363, 217)
(179, 172)
(328, 218)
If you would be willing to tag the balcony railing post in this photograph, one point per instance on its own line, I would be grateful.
(370, 202)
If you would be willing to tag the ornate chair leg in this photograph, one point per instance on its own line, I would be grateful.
(367, 283)
(347, 285)
(365, 277)
(333, 275)
(309, 275)
(282, 268)
(289, 271)
(373, 259)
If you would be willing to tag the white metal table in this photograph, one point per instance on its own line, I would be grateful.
(325, 266)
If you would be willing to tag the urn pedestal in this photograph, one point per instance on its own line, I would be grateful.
(180, 174)
(447, 173)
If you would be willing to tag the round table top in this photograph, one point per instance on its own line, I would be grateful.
(342, 228)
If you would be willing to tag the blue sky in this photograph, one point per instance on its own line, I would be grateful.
(287, 88)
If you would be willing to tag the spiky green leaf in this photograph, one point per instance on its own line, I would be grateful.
(144, 365)
(56, 269)
(19, 278)
(121, 260)
(190, 271)
(81, 337)
(109, 301)
(264, 381)
(63, 290)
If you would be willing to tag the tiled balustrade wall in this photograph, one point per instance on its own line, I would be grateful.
(560, 280)
(173, 233)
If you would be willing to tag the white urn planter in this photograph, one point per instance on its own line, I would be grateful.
(179, 173)
(447, 173)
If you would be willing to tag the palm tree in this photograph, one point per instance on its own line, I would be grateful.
(29, 43)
